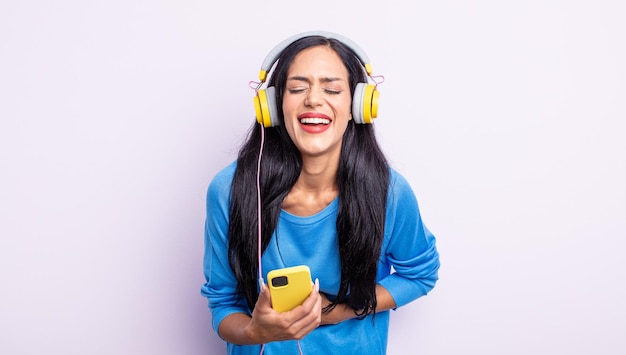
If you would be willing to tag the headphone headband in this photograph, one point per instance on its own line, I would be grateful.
(272, 56)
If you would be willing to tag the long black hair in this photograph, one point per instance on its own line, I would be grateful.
(362, 181)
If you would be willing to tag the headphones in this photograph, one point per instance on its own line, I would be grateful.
(364, 101)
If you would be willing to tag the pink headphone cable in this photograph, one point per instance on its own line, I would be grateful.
(258, 198)
(258, 191)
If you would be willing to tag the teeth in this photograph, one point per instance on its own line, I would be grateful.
(315, 120)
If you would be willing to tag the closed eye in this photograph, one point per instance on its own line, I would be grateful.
(325, 81)
(296, 90)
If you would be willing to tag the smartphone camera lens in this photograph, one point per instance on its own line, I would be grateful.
(280, 281)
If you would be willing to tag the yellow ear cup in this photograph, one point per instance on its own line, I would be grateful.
(370, 103)
(375, 97)
(265, 107)
(262, 110)
(257, 110)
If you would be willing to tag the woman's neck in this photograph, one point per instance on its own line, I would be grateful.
(315, 188)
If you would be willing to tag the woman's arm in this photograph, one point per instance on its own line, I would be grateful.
(343, 312)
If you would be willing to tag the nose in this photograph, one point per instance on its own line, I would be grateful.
(313, 97)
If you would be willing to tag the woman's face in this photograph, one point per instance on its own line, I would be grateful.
(317, 102)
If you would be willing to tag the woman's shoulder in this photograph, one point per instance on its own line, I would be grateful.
(401, 193)
(223, 179)
(398, 182)
(226, 173)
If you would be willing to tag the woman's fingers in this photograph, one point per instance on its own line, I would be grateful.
(294, 324)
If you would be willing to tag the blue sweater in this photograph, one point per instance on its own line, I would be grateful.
(408, 247)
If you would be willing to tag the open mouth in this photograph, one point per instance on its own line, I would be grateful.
(314, 121)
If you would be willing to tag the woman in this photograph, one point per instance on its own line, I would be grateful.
(329, 200)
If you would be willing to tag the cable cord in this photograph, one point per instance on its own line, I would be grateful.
(259, 231)
(258, 198)
(299, 348)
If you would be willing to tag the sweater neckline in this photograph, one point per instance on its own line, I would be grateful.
(330, 209)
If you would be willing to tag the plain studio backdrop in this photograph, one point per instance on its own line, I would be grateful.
(508, 119)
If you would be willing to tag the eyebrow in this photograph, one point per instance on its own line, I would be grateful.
(305, 79)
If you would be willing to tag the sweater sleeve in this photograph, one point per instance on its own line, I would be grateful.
(220, 286)
(409, 247)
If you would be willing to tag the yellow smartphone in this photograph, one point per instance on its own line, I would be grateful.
(289, 287)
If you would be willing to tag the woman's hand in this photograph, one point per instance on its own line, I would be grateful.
(267, 325)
